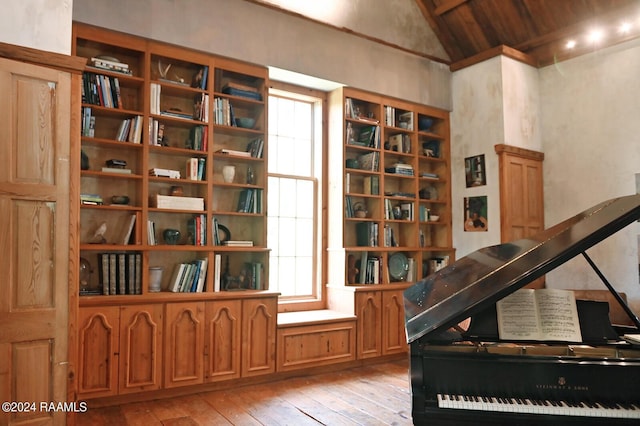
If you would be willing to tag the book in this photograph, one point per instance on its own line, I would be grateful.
(238, 243)
(234, 152)
(177, 203)
(116, 170)
(217, 266)
(176, 278)
(127, 230)
(539, 314)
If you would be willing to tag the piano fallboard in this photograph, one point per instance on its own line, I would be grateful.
(525, 384)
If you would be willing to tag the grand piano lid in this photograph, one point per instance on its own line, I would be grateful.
(480, 279)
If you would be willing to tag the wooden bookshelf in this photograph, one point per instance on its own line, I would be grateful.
(392, 208)
(173, 187)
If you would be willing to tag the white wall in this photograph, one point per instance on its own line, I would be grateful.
(39, 24)
(591, 141)
(495, 102)
(261, 35)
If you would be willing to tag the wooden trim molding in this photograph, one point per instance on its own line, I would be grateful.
(71, 64)
(520, 152)
(503, 50)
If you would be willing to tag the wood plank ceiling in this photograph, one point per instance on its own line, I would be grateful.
(472, 30)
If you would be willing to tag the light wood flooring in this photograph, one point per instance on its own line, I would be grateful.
(377, 394)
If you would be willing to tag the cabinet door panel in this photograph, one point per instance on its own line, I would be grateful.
(393, 333)
(140, 347)
(369, 324)
(259, 336)
(184, 353)
(222, 331)
(98, 351)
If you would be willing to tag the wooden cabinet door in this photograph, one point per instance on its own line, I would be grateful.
(35, 119)
(98, 343)
(259, 336)
(184, 344)
(521, 192)
(521, 195)
(394, 338)
(140, 347)
(369, 313)
(222, 339)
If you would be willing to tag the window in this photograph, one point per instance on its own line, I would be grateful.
(294, 217)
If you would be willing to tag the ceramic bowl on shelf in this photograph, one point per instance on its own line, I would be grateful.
(434, 218)
(245, 122)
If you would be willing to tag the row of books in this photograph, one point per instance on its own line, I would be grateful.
(196, 168)
(120, 273)
(198, 138)
(88, 122)
(370, 268)
(197, 228)
(189, 277)
(250, 277)
(393, 118)
(370, 184)
(367, 234)
(223, 112)
(130, 130)
(98, 89)
(389, 238)
(369, 161)
(366, 136)
(250, 201)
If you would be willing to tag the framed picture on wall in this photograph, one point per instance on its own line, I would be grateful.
(474, 169)
(475, 214)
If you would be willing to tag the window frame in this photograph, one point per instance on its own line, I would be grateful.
(318, 299)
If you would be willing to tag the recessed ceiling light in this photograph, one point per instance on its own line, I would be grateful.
(595, 36)
(625, 27)
(571, 44)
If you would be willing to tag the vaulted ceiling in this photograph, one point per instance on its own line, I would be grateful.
(540, 29)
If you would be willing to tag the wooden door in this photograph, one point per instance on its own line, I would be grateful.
(521, 195)
(35, 124)
(259, 336)
(394, 338)
(369, 334)
(184, 353)
(222, 339)
(98, 343)
(140, 347)
(521, 192)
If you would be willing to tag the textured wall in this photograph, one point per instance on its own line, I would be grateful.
(591, 142)
(39, 24)
(258, 34)
(399, 22)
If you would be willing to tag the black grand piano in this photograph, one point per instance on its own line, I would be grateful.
(469, 376)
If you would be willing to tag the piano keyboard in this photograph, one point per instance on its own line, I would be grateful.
(528, 406)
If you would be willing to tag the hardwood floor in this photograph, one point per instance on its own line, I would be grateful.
(376, 394)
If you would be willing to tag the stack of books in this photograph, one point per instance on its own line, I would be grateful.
(238, 243)
(158, 172)
(400, 169)
(91, 199)
(110, 64)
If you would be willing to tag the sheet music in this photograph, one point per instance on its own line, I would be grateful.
(539, 314)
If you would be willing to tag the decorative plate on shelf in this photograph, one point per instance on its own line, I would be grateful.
(398, 266)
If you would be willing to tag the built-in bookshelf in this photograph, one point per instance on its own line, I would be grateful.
(173, 146)
(390, 210)
(172, 233)
(395, 202)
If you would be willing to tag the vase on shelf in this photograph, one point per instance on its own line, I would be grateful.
(228, 173)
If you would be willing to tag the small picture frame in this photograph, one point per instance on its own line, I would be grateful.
(474, 169)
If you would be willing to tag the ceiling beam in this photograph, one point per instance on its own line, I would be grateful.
(447, 6)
